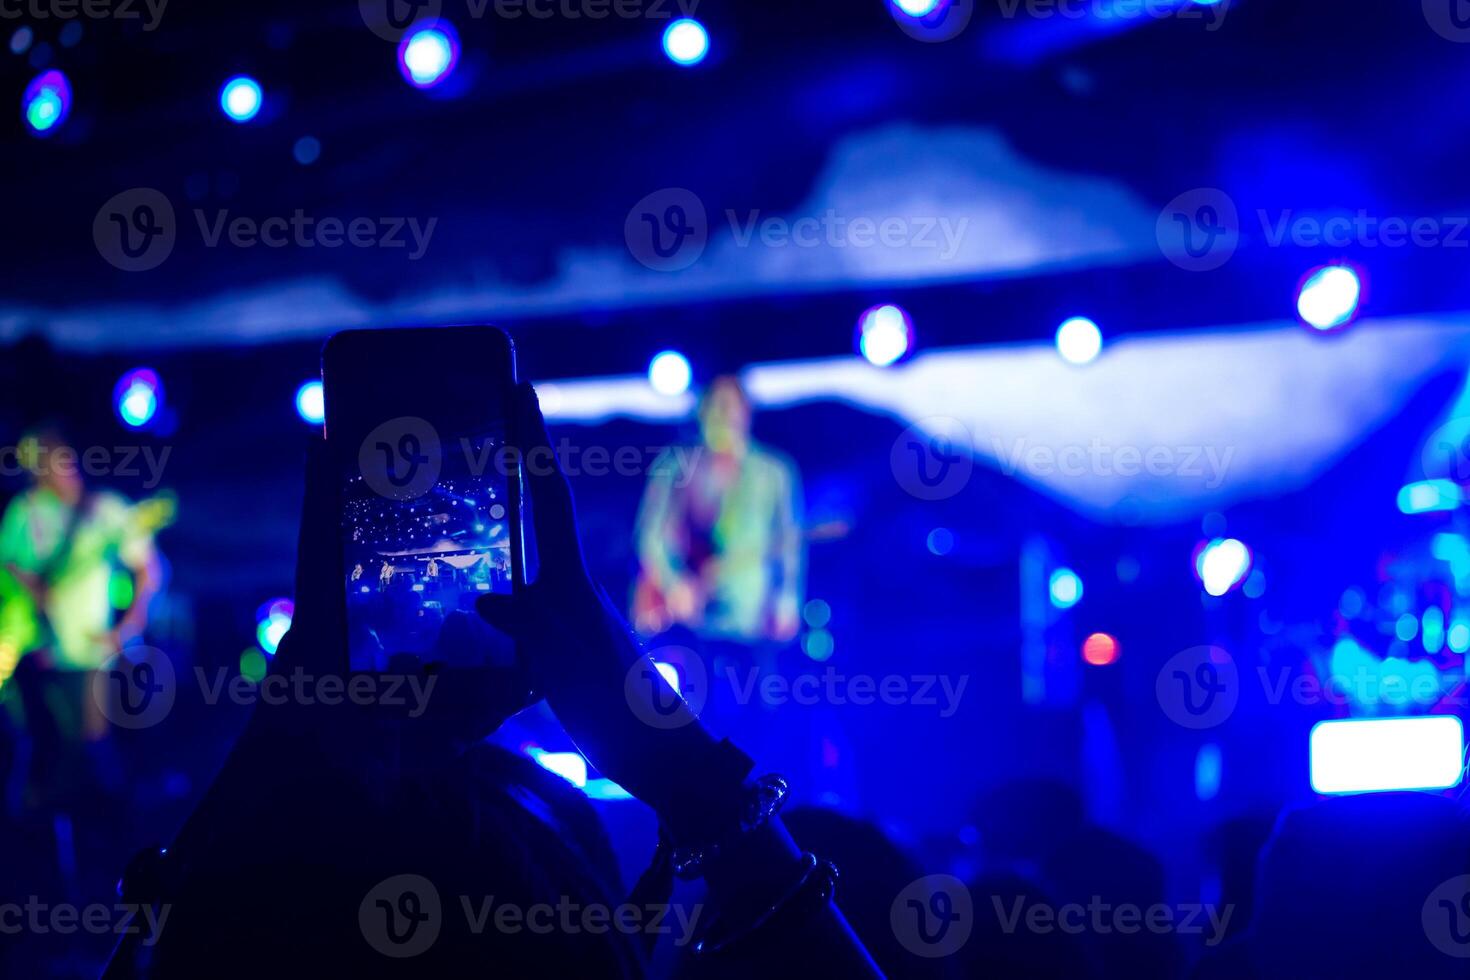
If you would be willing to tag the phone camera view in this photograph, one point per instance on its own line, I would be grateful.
(416, 562)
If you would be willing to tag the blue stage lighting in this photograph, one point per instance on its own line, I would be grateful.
(1065, 588)
(1429, 495)
(428, 55)
(46, 102)
(240, 98)
(272, 623)
(1222, 564)
(669, 373)
(311, 403)
(137, 397)
(307, 150)
(919, 8)
(1079, 341)
(1386, 754)
(1207, 770)
(885, 334)
(686, 42)
(1328, 297)
(570, 766)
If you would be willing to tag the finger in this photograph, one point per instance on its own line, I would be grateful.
(319, 629)
(552, 508)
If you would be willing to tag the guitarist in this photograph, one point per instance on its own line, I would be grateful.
(59, 546)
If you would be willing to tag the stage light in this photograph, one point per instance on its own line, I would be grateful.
(20, 41)
(816, 613)
(428, 55)
(940, 541)
(670, 674)
(818, 645)
(686, 42)
(1207, 770)
(306, 150)
(272, 622)
(1222, 564)
(253, 665)
(311, 403)
(1100, 649)
(1079, 340)
(1458, 636)
(918, 8)
(46, 102)
(1386, 754)
(669, 373)
(137, 397)
(1429, 495)
(885, 334)
(1065, 588)
(568, 765)
(1328, 297)
(240, 98)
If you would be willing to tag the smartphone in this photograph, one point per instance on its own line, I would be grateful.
(418, 425)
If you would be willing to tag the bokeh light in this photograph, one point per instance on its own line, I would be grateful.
(686, 42)
(241, 98)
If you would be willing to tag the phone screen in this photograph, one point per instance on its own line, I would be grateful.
(429, 498)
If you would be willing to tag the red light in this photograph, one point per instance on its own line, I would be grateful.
(1100, 649)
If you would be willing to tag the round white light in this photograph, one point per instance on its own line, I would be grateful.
(669, 373)
(686, 42)
(311, 403)
(1079, 340)
(1329, 297)
(240, 98)
(884, 335)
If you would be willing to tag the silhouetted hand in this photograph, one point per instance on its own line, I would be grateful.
(581, 653)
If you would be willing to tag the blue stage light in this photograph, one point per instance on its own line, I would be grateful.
(428, 55)
(670, 674)
(686, 42)
(272, 622)
(570, 766)
(940, 541)
(918, 8)
(1079, 340)
(1387, 754)
(1328, 297)
(885, 334)
(1429, 495)
(1207, 770)
(1065, 588)
(306, 150)
(240, 98)
(46, 102)
(1222, 564)
(311, 403)
(137, 397)
(669, 373)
